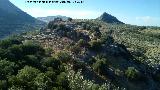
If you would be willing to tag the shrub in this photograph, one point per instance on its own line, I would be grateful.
(24, 78)
(9, 42)
(75, 49)
(82, 43)
(64, 57)
(51, 62)
(132, 73)
(6, 68)
(95, 44)
(99, 66)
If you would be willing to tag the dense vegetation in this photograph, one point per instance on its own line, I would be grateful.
(27, 66)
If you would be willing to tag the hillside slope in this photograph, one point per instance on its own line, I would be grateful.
(14, 20)
(103, 53)
(82, 54)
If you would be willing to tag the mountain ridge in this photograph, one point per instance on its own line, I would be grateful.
(13, 20)
(108, 18)
(51, 18)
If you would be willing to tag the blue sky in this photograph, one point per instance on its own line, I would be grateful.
(136, 12)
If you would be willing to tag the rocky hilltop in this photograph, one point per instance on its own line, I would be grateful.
(109, 18)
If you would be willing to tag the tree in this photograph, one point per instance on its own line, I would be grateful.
(3, 53)
(9, 42)
(62, 80)
(42, 82)
(33, 49)
(51, 62)
(6, 69)
(28, 73)
(99, 66)
(25, 78)
(15, 52)
(51, 74)
(31, 60)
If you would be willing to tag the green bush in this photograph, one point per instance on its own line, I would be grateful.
(132, 73)
(82, 43)
(63, 56)
(9, 42)
(99, 66)
(42, 82)
(6, 69)
(14, 52)
(75, 49)
(51, 62)
(95, 45)
(25, 78)
(30, 49)
(62, 80)
(32, 60)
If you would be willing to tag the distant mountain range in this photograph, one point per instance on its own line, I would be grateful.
(50, 18)
(109, 18)
(14, 20)
(105, 17)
